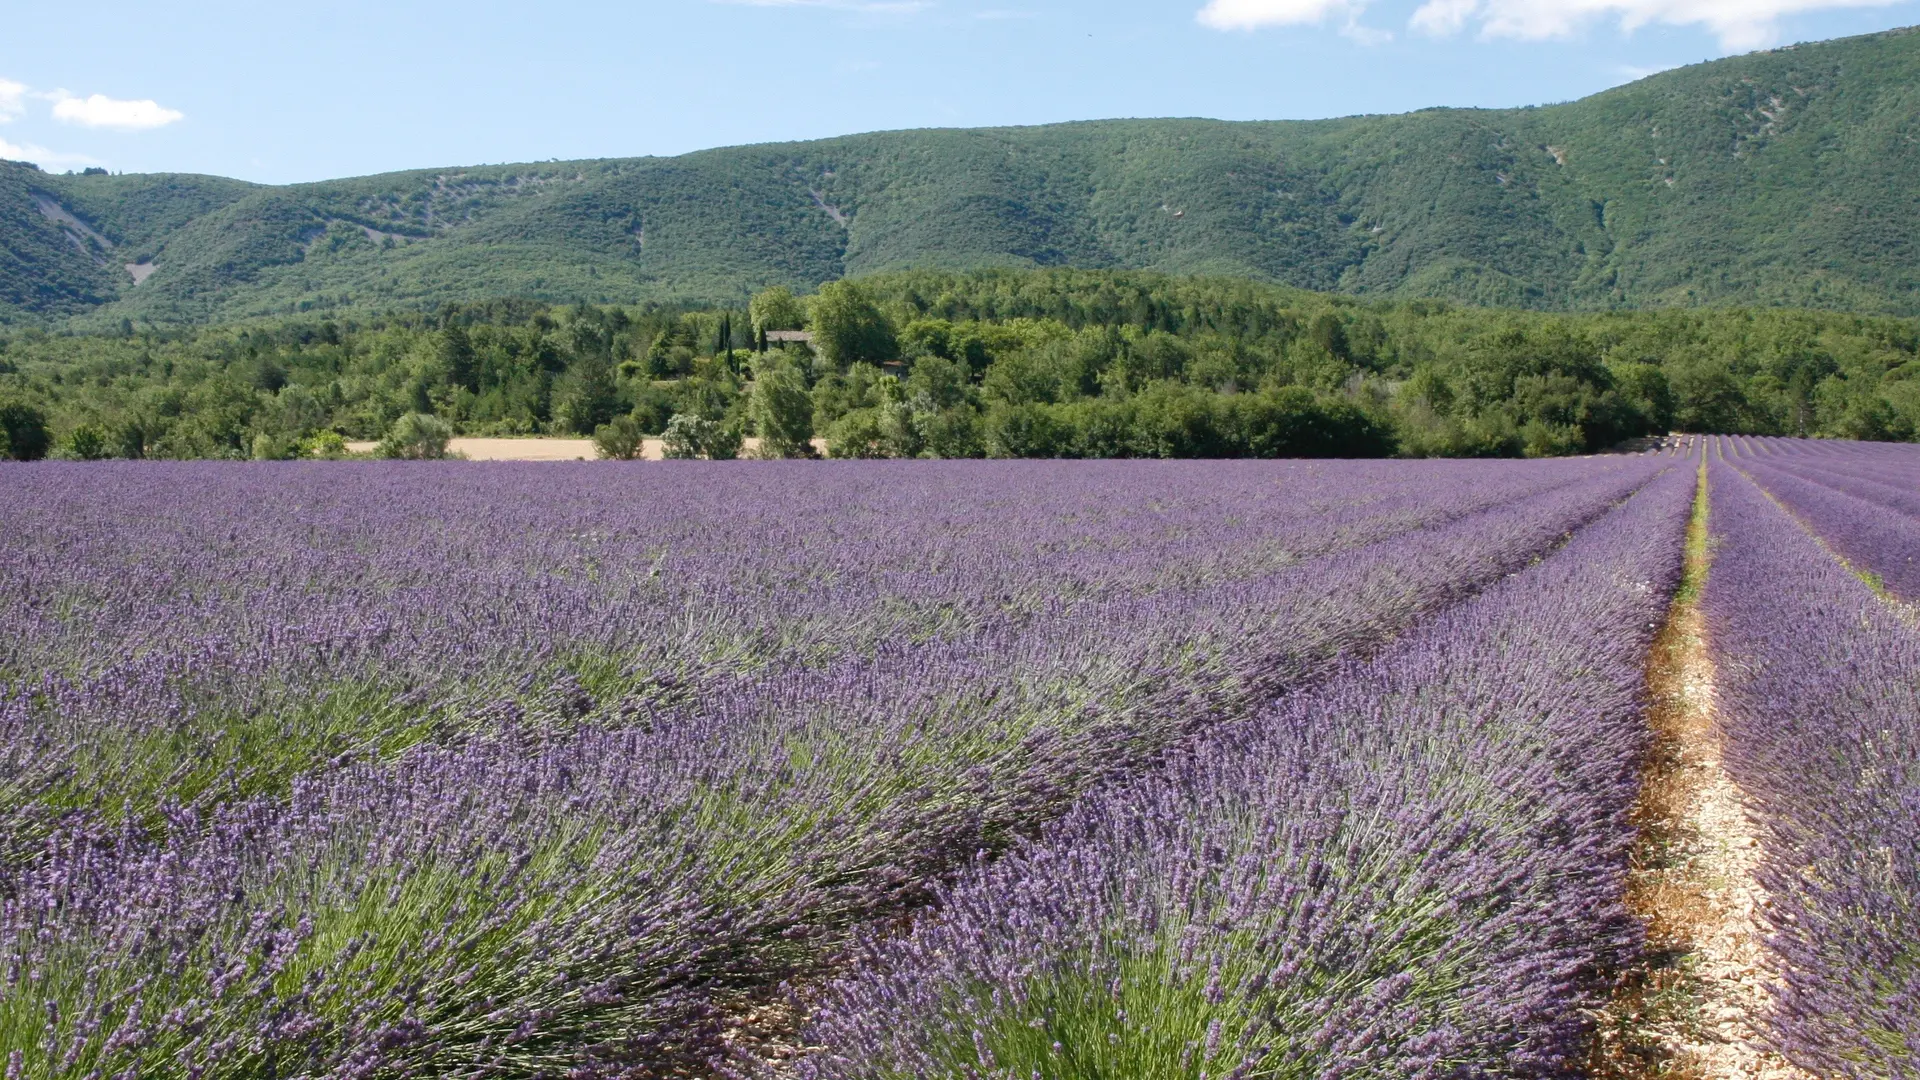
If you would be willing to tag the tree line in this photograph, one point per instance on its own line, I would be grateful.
(994, 363)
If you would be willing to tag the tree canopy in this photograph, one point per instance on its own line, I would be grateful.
(1050, 363)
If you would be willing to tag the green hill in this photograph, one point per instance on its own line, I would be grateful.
(1788, 177)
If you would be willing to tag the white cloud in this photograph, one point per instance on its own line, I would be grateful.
(1635, 72)
(43, 157)
(13, 99)
(101, 111)
(1254, 14)
(1740, 24)
(1443, 16)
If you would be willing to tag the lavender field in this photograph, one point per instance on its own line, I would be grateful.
(912, 769)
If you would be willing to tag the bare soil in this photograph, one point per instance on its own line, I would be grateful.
(1693, 1008)
(516, 449)
(524, 449)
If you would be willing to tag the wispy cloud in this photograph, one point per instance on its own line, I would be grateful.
(13, 99)
(101, 111)
(1634, 72)
(43, 157)
(1254, 14)
(1257, 14)
(1739, 24)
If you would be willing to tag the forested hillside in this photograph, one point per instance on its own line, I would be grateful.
(1046, 363)
(1783, 178)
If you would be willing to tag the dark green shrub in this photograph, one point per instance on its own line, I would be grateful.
(619, 439)
(89, 442)
(417, 437)
(23, 432)
(857, 434)
(1027, 431)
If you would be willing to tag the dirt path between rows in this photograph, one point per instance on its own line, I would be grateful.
(1692, 1008)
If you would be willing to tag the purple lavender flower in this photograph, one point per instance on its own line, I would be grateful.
(1820, 697)
(1414, 869)
(349, 771)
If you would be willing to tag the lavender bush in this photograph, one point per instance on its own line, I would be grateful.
(1870, 522)
(1879, 473)
(1820, 696)
(1413, 870)
(555, 772)
(179, 632)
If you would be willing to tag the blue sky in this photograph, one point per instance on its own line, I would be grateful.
(283, 92)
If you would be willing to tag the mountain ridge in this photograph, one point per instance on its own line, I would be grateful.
(1777, 178)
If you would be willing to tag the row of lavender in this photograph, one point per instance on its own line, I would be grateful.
(189, 635)
(1820, 698)
(1863, 499)
(1413, 870)
(576, 886)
